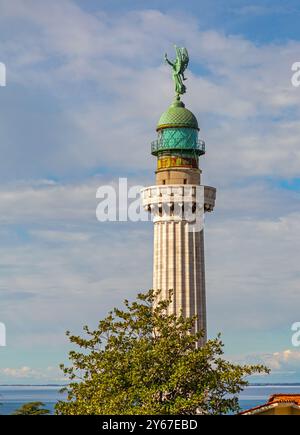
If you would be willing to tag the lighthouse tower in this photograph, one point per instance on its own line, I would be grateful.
(178, 202)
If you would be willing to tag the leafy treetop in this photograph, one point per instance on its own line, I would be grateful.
(140, 360)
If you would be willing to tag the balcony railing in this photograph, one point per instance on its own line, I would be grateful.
(198, 147)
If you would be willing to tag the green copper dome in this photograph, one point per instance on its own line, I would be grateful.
(177, 116)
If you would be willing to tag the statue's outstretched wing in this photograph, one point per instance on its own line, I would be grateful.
(184, 59)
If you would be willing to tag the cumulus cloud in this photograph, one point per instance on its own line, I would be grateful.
(25, 373)
(118, 59)
(255, 259)
(60, 264)
(284, 364)
(287, 359)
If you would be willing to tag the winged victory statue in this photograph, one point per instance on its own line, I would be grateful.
(179, 65)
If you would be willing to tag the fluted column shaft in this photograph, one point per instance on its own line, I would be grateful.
(179, 267)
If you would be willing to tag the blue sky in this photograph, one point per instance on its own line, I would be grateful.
(86, 84)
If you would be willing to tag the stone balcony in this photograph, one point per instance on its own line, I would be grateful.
(157, 196)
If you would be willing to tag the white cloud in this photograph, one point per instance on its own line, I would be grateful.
(252, 264)
(285, 362)
(60, 236)
(66, 268)
(27, 373)
(285, 359)
(246, 87)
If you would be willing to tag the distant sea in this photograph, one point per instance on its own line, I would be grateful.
(255, 395)
(12, 397)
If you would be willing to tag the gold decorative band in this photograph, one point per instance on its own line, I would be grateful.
(176, 161)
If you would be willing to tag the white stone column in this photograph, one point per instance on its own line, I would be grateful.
(178, 264)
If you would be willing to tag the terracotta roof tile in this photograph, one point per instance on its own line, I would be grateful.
(276, 398)
(295, 398)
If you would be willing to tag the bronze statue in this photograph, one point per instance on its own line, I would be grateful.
(179, 65)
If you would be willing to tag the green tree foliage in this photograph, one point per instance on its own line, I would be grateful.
(32, 408)
(142, 361)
